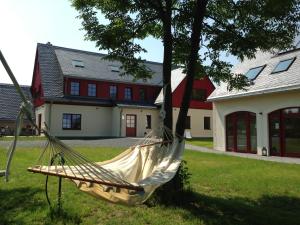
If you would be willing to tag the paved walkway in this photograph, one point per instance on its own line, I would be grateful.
(245, 155)
(126, 142)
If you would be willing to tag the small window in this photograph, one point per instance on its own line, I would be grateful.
(75, 88)
(115, 69)
(148, 121)
(283, 65)
(199, 94)
(128, 94)
(113, 92)
(71, 121)
(77, 63)
(188, 122)
(92, 90)
(207, 123)
(254, 72)
(142, 94)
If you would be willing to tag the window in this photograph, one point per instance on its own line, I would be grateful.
(71, 121)
(75, 87)
(199, 94)
(207, 123)
(114, 69)
(283, 65)
(92, 90)
(128, 94)
(148, 121)
(77, 63)
(188, 122)
(254, 72)
(142, 94)
(113, 92)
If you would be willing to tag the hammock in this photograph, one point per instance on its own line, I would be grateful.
(129, 178)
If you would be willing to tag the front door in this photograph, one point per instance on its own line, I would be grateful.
(284, 130)
(130, 125)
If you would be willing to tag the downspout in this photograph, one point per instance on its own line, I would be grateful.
(50, 116)
(120, 128)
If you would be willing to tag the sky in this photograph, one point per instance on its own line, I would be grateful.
(23, 24)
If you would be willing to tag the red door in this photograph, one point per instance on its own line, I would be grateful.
(130, 125)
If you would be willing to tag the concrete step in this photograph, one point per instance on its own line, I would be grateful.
(2, 173)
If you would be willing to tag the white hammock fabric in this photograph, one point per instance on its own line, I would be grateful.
(147, 167)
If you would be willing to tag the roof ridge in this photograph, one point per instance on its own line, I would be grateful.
(88, 52)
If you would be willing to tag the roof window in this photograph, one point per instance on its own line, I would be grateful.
(77, 63)
(283, 65)
(254, 72)
(114, 68)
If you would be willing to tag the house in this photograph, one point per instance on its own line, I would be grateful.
(79, 94)
(10, 102)
(199, 119)
(264, 119)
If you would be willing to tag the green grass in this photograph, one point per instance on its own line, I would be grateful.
(228, 190)
(23, 138)
(202, 142)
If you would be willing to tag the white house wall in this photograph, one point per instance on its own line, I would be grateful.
(197, 121)
(95, 120)
(141, 120)
(261, 105)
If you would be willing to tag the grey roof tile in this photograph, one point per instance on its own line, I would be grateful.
(95, 67)
(10, 101)
(266, 80)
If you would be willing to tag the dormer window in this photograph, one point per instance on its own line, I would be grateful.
(254, 72)
(77, 63)
(283, 65)
(115, 68)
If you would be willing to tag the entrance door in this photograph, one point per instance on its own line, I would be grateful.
(130, 125)
(284, 129)
(241, 132)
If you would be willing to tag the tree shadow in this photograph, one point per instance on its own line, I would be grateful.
(18, 203)
(275, 210)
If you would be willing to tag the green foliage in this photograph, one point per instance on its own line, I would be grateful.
(239, 28)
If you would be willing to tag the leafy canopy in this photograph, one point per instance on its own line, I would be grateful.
(235, 27)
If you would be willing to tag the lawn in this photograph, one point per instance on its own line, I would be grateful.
(202, 142)
(228, 190)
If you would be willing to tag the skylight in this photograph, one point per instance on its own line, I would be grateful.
(114, 68)
(254, 72)
(283, 65)
(77, 63)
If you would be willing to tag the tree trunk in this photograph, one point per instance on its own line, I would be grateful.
(199, 13)
(167, 64)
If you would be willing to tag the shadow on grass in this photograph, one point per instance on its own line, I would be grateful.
(19, 205)
(241, 211)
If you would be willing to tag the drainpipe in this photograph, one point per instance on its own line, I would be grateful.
(120, 128)
(50, 115)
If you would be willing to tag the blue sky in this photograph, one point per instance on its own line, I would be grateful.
(26, 23)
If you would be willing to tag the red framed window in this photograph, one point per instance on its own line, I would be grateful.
(284, 132)
(92, 90)
(113, 92)
(74, 88)
(241, 132)
(127, 93)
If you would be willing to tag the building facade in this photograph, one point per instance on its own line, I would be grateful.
(10, 102)
(264, 119)
(79, 94)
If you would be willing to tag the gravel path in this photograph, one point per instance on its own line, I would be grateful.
(246, 155)
(126, 142)
(109, 142)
